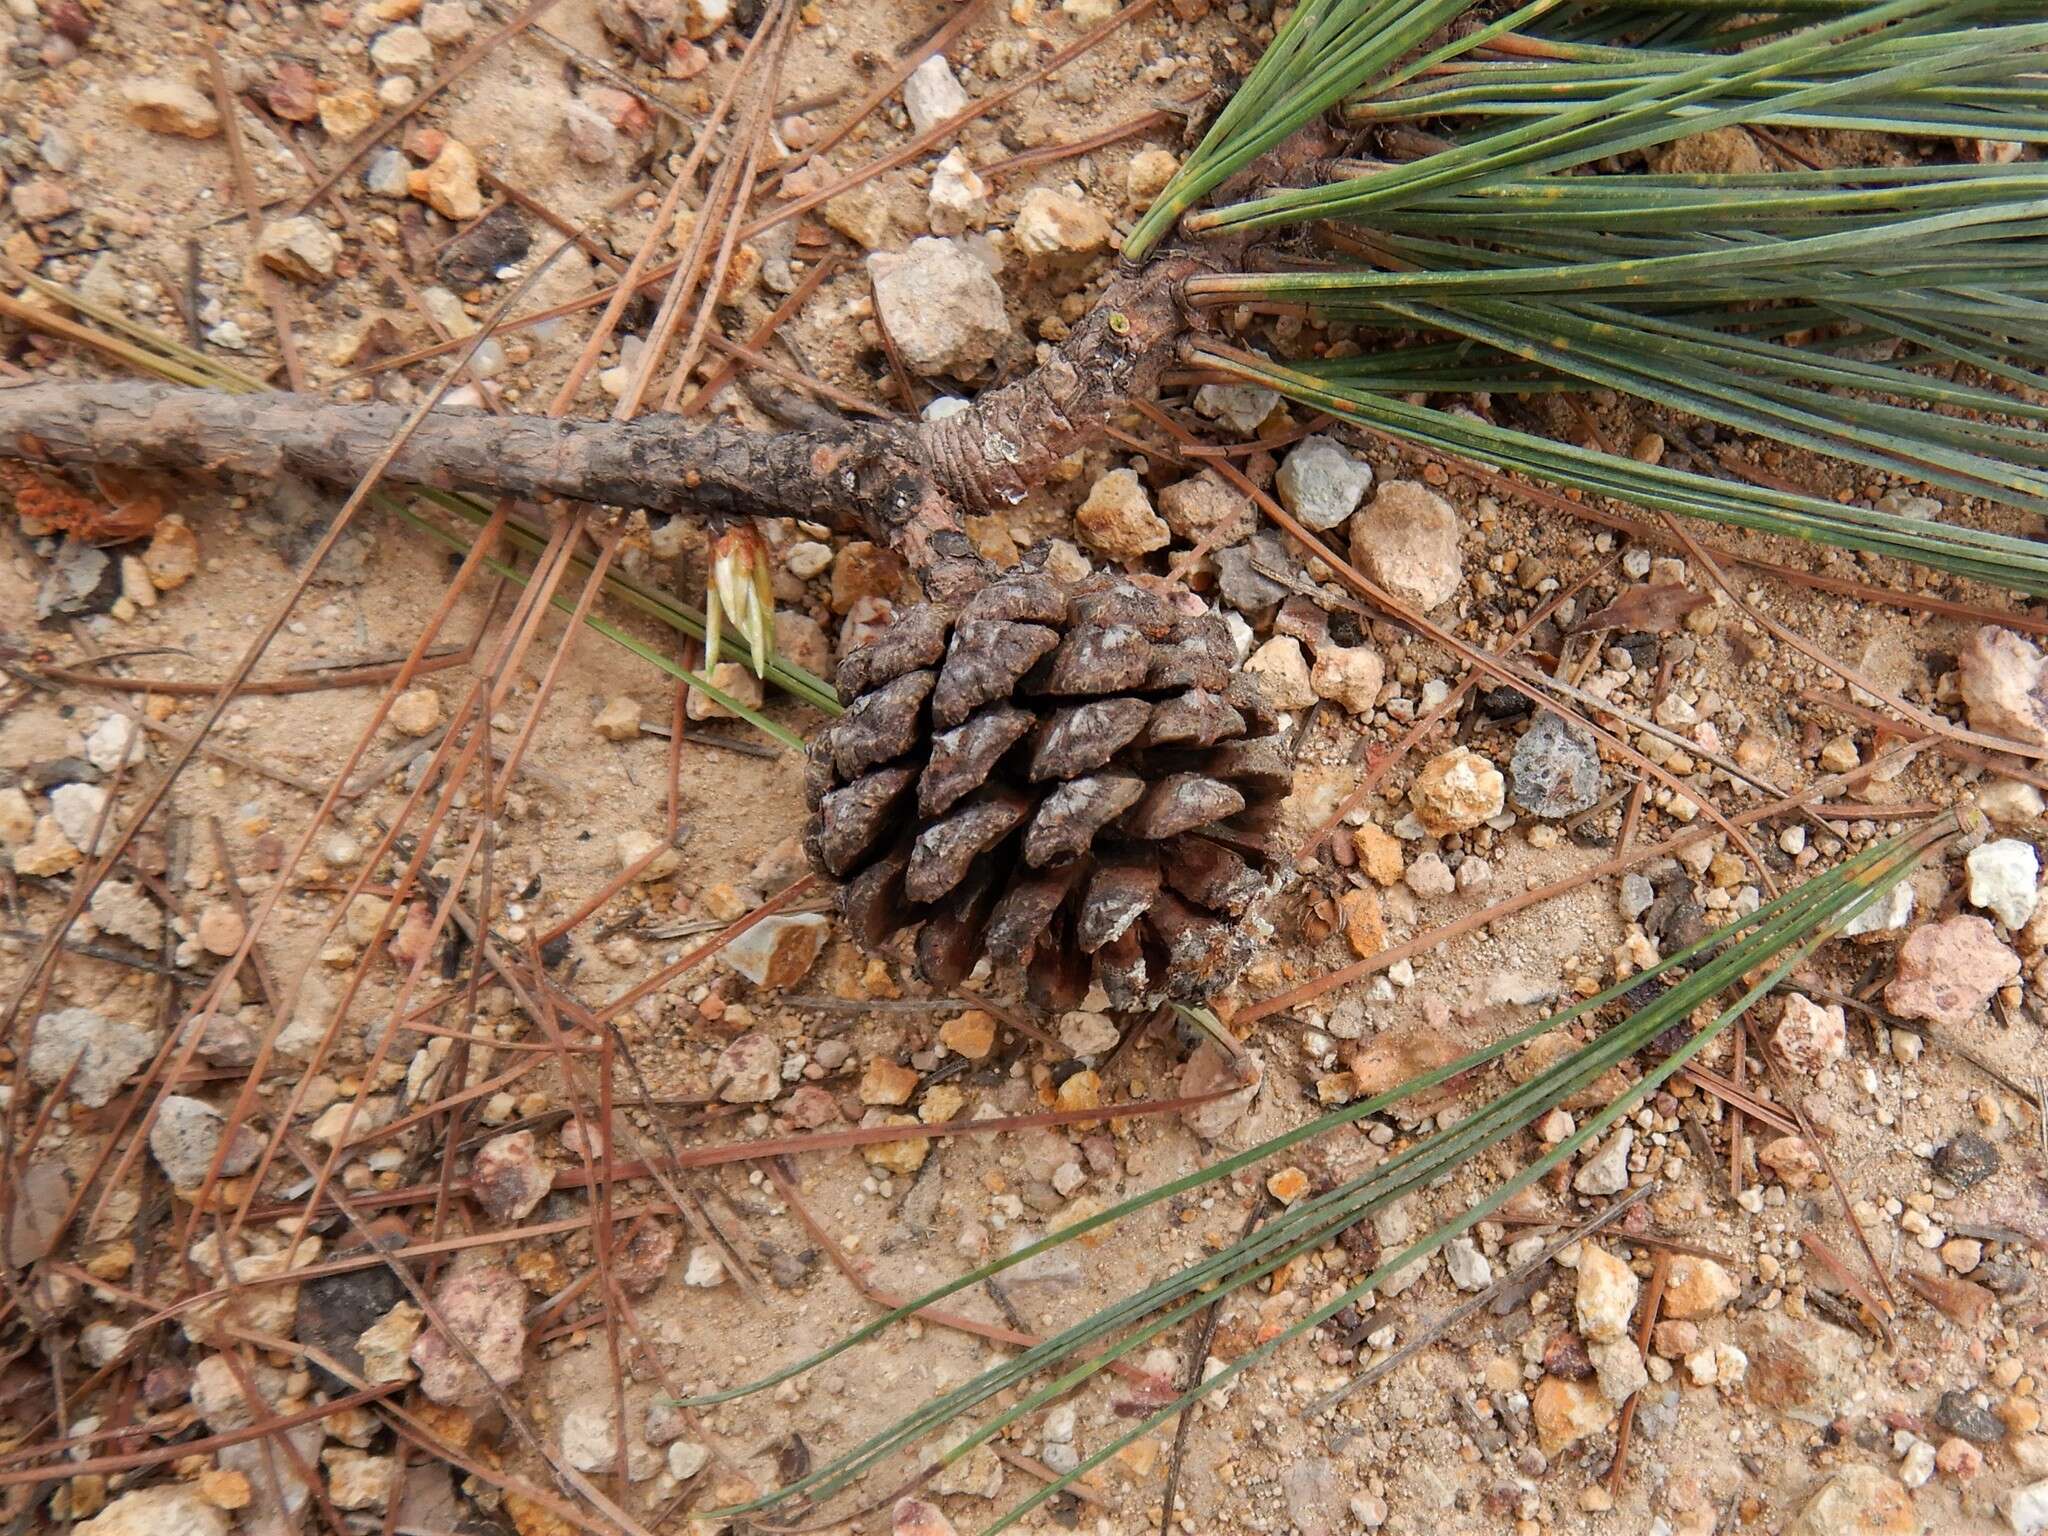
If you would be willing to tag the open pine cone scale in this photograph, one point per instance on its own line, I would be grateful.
(1071, 780)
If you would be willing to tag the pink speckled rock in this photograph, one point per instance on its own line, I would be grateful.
(1948, 971)
(485, 1307)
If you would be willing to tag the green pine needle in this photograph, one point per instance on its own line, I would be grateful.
(2020, 565)
(1750, 957)
(1827, 309)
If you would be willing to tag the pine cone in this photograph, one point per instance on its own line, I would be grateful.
(1068, 779)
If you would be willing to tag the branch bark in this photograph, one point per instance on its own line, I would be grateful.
(654, 462)
(905, 484)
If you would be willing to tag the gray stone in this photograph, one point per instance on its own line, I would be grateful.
(101, 1343)
(686, 1458)
(77, 808)
(2025, 1509)
(1468, 1266)
(1916, 1467)
(1906, 504)
(2005, 878)
(448, 311)
(1519, 989)
(589, 1439)
(1891, 911)
(1206, 1070)
(107, 1053)
(1430, 877)
(1088, 1034)
(1346, 1020)
(116, 742)
(125, 911)
(187, 1135)
(74, 581)
(279, 1494)
(665, 1422)
(2008, 802)
(102, 284)
(219, 1398)
(171, 1509)
(1636, 894)
(446, 22)
(402, 51)
(39, 1205)
(1555, 771)
(386, 174)
(1241, 407)
(941, 307)
(1394, 1226)
(1619, 1366)
(312, 1010)
(1244, 588)
(58, 150)
(705, 1269)
(226, 1041)
(1606, 1171)
(931, 94)
(1321, 483)
(956, 202)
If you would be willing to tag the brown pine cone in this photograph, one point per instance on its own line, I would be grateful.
(1070, 779)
